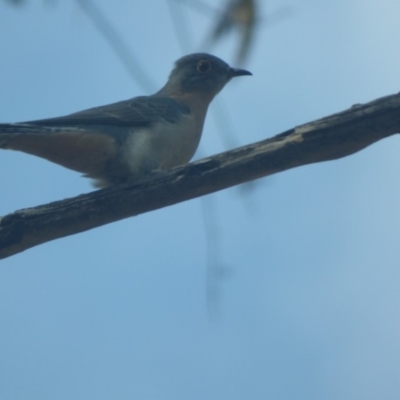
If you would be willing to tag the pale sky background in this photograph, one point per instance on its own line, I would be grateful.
(310, 305)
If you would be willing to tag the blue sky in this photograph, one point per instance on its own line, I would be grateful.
(309, 307)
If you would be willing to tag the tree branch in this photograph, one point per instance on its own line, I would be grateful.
(329, 138)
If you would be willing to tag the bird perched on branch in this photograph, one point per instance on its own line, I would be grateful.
(126, 141)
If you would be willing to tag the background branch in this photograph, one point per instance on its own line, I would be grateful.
(329, 138)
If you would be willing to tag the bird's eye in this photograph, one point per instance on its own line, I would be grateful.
(203, 66)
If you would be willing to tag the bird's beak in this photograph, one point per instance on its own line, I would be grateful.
(237, 72)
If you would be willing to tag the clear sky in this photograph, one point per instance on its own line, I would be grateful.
(308, 306)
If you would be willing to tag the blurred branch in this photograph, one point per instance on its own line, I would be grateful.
(333, 137)
(16, 2)
(241, 15)
(122, 50)
(200, 6)
(183, 33)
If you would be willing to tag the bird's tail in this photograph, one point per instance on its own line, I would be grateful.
(9, 132)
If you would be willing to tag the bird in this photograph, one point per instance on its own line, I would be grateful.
(127, 141)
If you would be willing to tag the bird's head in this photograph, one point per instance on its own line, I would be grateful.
(200, 73)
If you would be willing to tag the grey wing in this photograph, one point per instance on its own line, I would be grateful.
(85, 141)
(139, 111)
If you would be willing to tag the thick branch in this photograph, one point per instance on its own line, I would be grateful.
(326, 139)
